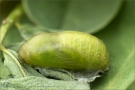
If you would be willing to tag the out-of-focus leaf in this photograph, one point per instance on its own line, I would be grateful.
(132, 86)
(119, 39)
(28, 30)
(4, 72)
(13, 36)
(15, 46)
(68, 75)
(87, 15)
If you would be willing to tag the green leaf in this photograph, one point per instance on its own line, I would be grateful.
(13, 36)
(15, 46)
(119, 39)
(28, 30)
(39, 83)
(132, 86)
(87, 15)
(58, 74)
(4, 71)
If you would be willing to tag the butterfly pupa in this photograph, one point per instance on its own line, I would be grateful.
(71, 50)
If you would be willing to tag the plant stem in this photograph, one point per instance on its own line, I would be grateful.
(7, 52)
(6, 24)
(9, 21)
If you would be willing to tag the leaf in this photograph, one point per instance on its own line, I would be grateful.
(132, 86)
(39, 83)
(28, 30)
(58, 74)
(87, 15)
(68, 75)
(4, 72)
(119, 39)
(15, 46)
(13, 36)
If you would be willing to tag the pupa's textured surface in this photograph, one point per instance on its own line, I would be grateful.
(68, 50)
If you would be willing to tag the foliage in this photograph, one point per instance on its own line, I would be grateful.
(111, 21)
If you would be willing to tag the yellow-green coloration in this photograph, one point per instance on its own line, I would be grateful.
(68, 50)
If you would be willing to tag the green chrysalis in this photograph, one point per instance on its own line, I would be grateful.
(68, 50)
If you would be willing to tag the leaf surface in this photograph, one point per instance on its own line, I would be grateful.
(119, 39)
(87, 15)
